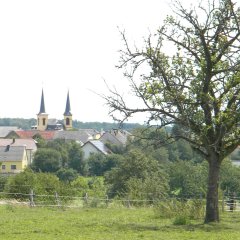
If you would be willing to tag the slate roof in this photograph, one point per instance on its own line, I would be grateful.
(100, 146)
(80, 136)
(28, 143)
(68, 107)
(42, 105)
(5, 130)
(14, 153)
(115, 136)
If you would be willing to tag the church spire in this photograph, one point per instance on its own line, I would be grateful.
(42, 116)
(42, 106)
(68, 107)
(68, 115)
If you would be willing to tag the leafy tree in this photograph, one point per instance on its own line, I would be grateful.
(62, 147)
(76, 161)
(135, 169)
(40, 183)
(230, 178)
(41, 143)
(195, 85)
(187, 179)
(152, 141)
(47, 160)
(98, 163)
(67, 174)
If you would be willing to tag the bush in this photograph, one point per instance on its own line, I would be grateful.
(181, 220)
(173, 208)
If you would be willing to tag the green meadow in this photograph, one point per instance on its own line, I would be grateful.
(110, 223)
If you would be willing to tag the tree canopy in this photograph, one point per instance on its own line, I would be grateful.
(188, 74)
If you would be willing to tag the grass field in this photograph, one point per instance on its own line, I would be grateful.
(111, 223)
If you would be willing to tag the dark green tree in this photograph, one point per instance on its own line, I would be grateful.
(47, 160)
(230, 178)
(133, 171)
(187, 179)
(98, 163)
(76, 161)
(67, 174)
(196, 84)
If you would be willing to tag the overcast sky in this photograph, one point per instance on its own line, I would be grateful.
(67, 45)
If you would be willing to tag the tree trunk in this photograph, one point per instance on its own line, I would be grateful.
(212, 211)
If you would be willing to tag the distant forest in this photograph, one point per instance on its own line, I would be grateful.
(27, 123)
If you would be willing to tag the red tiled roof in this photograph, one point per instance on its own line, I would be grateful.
(47, 135)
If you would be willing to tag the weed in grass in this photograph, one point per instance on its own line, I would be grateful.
(181, 220)
(10, 208)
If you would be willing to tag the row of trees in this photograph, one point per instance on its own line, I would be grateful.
(27, 123)
(139, 169)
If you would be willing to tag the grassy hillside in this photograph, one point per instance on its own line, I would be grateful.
(107, 224)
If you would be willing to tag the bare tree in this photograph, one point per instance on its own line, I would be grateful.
(196, 84)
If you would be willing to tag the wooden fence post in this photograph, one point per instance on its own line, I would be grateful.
(31, 196)
(57, 199)
(128, 203)
(107, 200)
(86, 198)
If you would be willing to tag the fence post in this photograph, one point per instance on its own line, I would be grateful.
(107, 200)
(86, 198)
(128, 203)
(223, 203)
(31, 196)
(57, 199)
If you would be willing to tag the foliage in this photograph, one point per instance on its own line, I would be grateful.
(98, 164)
(230, 178)
(40, 183)
(93, 187)
(196, 85)
(41, 143)
(187, 179)
(136, 172)
(19, 122)
(180, 209)
(47, 160)
(28, 123)
(103, 125)
(67, 174)
(76, 162)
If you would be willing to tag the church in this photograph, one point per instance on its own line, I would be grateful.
(45, 124)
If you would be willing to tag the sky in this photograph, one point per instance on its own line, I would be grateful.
(62, 46)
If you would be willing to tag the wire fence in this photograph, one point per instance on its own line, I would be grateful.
(227, 204)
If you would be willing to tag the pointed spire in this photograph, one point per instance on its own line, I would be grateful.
(42, 106)
(68, 107)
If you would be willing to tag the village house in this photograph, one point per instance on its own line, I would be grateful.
(93, 147)
(13, 159)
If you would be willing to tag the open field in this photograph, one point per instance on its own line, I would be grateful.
(111, 223)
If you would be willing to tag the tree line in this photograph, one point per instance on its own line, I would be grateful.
(146, 168)
(26, 124)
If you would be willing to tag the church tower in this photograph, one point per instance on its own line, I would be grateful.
(42, 116)
(67, 115)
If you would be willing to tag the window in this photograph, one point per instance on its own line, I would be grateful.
(3, 167)
(44, 121)
(13, 167)
(67, 121)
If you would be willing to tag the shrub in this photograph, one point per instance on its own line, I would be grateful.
(173, 208)
(181, 220)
